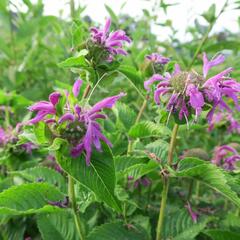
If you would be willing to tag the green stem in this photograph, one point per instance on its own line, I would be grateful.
(190, 189)
(86, 91)
(134, 86)
(166, 182)
(205, 37)
(140, 113)
(162, 207)
(95, 86)
(72, 9)
(172, 144)
(72, 198)
(197, 190)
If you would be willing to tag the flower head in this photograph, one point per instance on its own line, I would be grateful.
(188, 92)
(157, 58)
(225, 156)
(9, 136)
(225, 118)
(112, 42)
(144, 181)
(78, 125)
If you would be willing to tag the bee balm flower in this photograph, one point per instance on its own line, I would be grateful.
(78, 125)
(226, 156)
(112, 42)
(189, 91)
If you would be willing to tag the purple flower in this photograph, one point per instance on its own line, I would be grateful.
(112, 42)
(144, 181)
(10, 136)
(78, 125)
(193, 215)
(28, 147)
(76, 87)
(44, 108)
(157, 58)
(91, 128)
(207, 65)
(225, 118)
(187, 91)
(226, 157)
(2, 137)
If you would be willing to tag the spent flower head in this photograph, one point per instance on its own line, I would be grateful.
(75, 123)
(188, 92)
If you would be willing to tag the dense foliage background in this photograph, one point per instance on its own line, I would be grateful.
(33, 53)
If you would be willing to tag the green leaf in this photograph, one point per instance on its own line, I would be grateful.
(159, 148)
(77, 61)
(219, 234)
(148, 129)
(84, 197)
(139, 170)
(210, 14)
(132, 74)
(124, 162)
(59, 226)
(209, 174)
(45, 174)
(179, 225)
(5, 183)
(98, 177)
(117, 231)
(111, 13)
(125, 115)
(29, 198)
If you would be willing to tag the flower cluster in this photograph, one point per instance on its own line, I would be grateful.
(157, 58)
(154, 63)
(78, 125)
(226, 156)
(189, 92)
(112, 42)
(144, 181)
(233, 126)
(10, 136)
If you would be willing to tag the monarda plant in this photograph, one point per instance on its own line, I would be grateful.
(109, 168)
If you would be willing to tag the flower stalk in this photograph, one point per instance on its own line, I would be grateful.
(166, 183)
(72, 198)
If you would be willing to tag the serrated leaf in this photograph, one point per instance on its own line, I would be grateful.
(139, 170)
(209, 174)
(179, 225)
(44, 174)
(124, 162)
(98, 177)
(84, 197)
(125, 115)
(117, 231)
(159, 148)
(148, 129)
(59, 226)
(29, 198)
